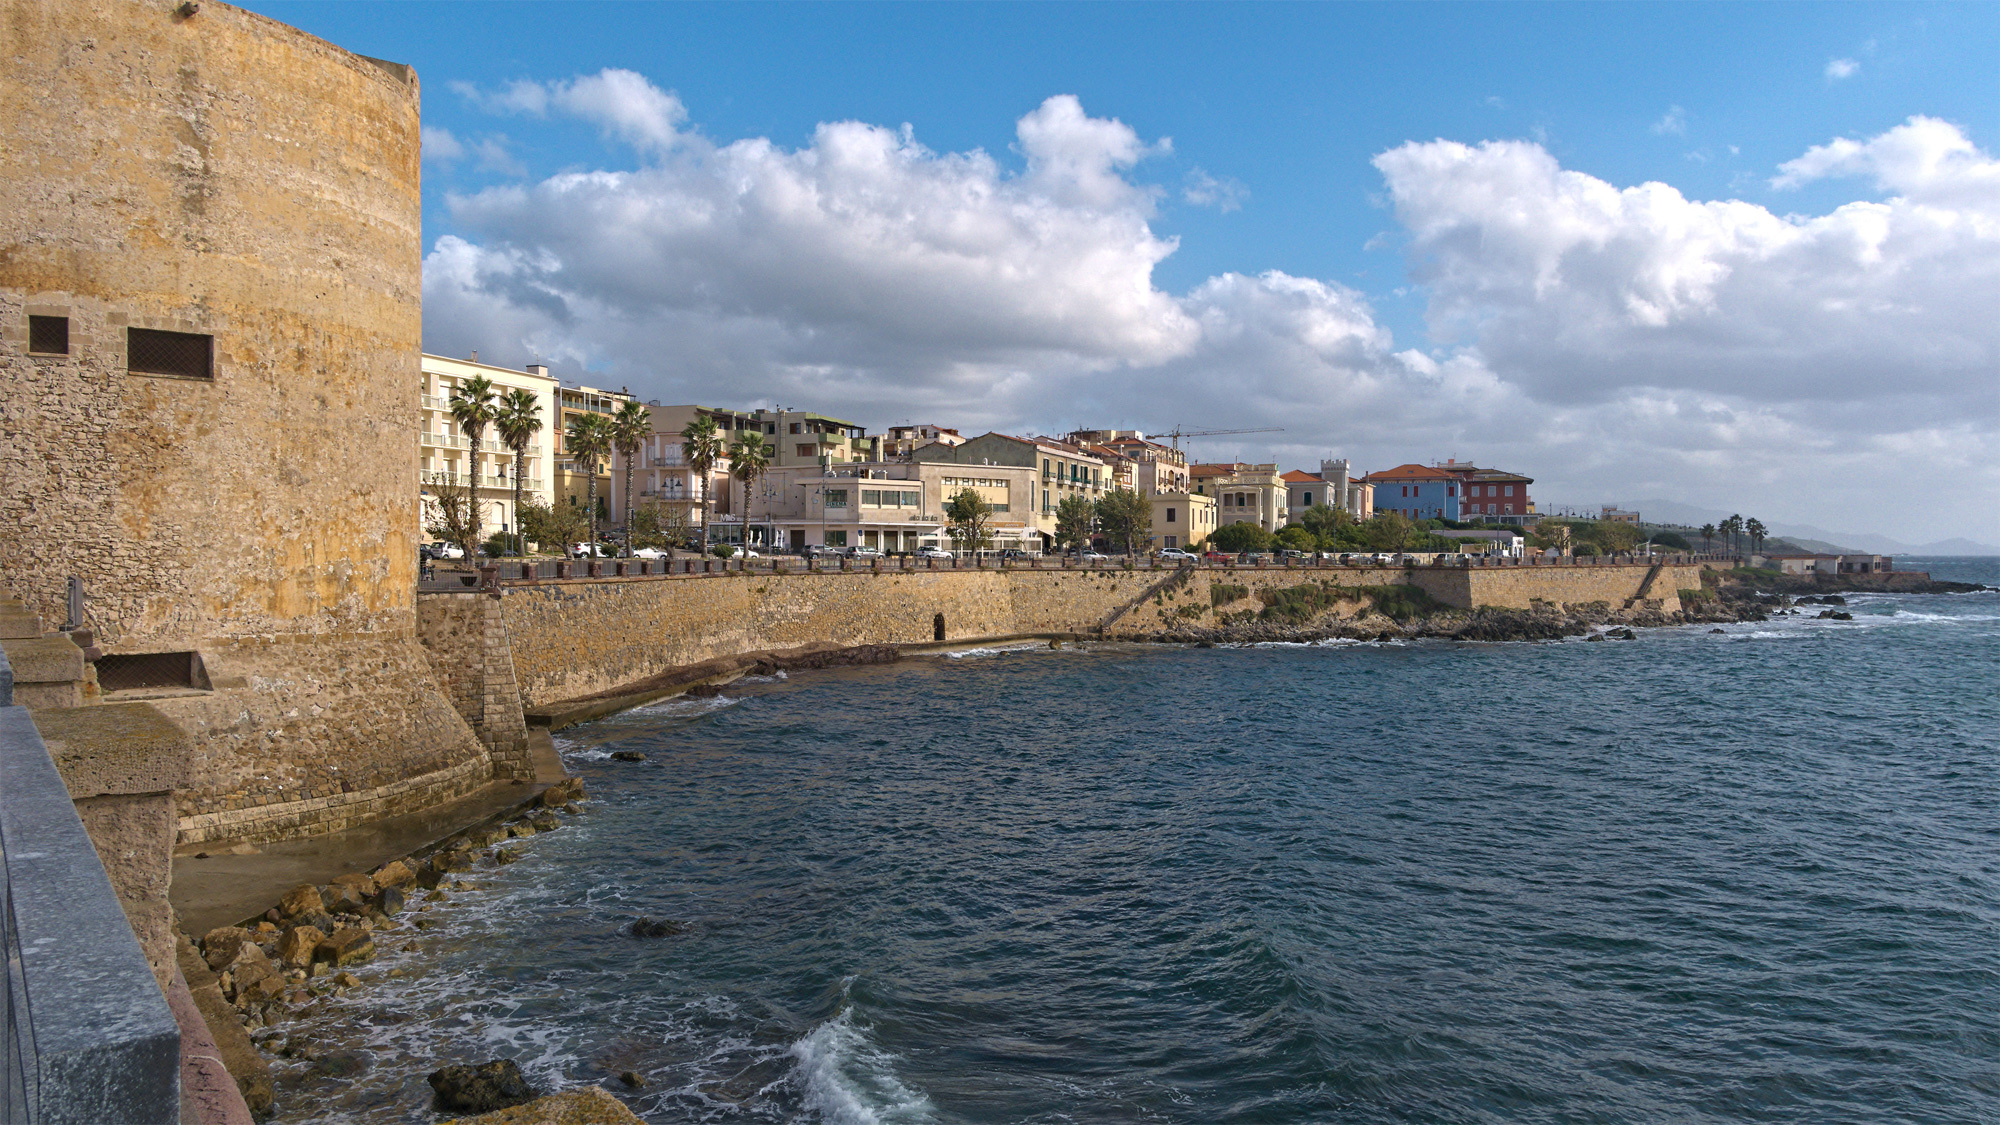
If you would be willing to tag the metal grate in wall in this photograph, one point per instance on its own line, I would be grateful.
(126, 671)
(48, 335)
(151, 351)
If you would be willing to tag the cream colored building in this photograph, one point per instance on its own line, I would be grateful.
(894, 507)
(1060, 470)
(1244, 493)
(571, 484)
(444, 453)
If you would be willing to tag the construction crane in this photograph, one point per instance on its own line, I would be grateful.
(1177, 434)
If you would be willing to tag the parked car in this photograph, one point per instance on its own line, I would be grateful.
(1257, 557)
(1218, 556)
(933, 553)
(743, 553)
(863, 553)
(586, 551)
(1088, 555)
(1291, 554)
(443, 551)
(649, 553)
(1174, 553)
(1014, 554)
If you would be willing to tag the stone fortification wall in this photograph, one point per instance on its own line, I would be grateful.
(1521, 587)
(471, 655)
(573, 639)
(221, 174)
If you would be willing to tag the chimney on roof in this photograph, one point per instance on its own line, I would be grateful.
(541, 369)
(475, 355)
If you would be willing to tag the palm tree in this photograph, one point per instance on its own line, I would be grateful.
(518, 420)
(701, 446)
(630, 427)
(750, 456)
(472, 406)
(1708, 534)
(589, 441)
(1732, 527)
(1756, 530)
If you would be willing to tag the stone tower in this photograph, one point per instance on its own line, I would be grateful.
(210, 328)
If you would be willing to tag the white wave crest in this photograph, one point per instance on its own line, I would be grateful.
(965, 653)
(847, 1080)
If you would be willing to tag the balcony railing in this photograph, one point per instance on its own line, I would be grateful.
(436, 402)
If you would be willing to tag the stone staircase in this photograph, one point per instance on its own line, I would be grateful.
(51, 669)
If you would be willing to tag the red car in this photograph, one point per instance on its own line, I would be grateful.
(1218, 557)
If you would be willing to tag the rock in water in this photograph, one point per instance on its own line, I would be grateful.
(298, 945)
(627, 756)
(391, 900)
(633, 1079)
(345, 898)
(348, 945)
(481, 1089)
(654, 927)
(591, 1105)
(394, 873)
(301, 900)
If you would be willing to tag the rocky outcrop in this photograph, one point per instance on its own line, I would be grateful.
(481, 1089)
(592, 1105)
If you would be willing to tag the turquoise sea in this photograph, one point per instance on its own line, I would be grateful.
(1696, 877)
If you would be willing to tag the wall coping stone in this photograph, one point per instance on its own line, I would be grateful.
(116, 748)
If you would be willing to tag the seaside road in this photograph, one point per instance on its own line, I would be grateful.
(227, 888)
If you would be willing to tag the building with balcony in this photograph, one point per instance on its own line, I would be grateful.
(1244, 493)
(1061, 470)
(894, 506)
(444, 453)
(901, 441)
(572, 484)
(1182, 517)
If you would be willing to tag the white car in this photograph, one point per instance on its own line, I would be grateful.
(863, 553)
(649, 553)
(933, 553)
(1174, 553)
(1088, 555)
(446, 551)
(585, 551)
(740, 553)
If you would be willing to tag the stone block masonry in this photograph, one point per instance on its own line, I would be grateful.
(571, 639)
(239, 488)
(467, 642)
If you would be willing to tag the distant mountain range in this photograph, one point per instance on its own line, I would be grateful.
(1811, 538)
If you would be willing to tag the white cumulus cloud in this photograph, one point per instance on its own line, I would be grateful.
(1837, 69)
(1609, 340)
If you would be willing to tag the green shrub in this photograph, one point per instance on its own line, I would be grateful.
(1400, 603)
(1296, 605)
(1222, 593)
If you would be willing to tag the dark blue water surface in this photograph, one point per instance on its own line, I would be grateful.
(1695, 877)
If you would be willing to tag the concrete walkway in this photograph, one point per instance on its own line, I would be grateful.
(227, 888)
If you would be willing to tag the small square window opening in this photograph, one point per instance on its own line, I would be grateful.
(48, 335)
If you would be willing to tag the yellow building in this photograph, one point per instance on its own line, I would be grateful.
(444, 453)
(571, 484)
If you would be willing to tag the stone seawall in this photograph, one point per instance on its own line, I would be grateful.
(576, 638)
(303, 734)
(469, 649)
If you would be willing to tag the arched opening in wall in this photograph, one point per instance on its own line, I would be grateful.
(937, 627)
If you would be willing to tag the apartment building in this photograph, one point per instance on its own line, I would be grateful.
(802, 438)
(572, 482)
(662, 478)
(1182, 517)
(901, 441)
(1060, 470)
(1244, 493)
(893, 506)
(443, 450)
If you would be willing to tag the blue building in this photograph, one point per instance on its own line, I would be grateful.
(1419, 492)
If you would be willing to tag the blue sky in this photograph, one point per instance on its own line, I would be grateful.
(1276, 114)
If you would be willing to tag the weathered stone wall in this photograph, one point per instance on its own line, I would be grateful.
(578, 638)
(1520, 587)
(471, 655)
(221, 173)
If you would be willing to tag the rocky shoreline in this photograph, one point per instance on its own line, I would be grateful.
(269, 971)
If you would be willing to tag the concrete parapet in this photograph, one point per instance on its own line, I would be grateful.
(48, 672)
(87, 1024)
